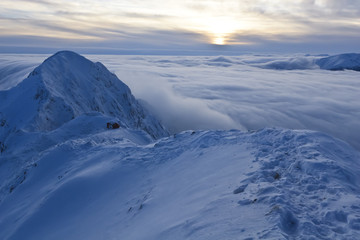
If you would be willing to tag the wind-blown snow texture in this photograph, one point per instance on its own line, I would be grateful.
(75, 179)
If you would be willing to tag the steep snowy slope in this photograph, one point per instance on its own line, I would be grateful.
(65, 86)
(350, 61)
(269, 184)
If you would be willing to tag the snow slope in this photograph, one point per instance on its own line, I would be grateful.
(63, 175)
(268, 184)
(65, 90)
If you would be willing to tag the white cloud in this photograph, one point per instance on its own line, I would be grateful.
(192, 89)
(230, 92)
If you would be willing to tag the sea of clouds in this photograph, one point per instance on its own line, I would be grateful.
(247, 92)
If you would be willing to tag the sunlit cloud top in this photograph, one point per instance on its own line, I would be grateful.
(178, 23)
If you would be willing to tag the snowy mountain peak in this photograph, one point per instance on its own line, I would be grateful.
(67, 85)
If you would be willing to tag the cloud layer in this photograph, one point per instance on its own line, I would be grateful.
(234, 92)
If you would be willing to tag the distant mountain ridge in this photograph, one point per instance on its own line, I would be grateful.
(346, 61)
(67, 85)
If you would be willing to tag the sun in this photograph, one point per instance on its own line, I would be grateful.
(219, 29)
(219, 40)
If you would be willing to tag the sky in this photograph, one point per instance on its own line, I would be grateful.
(179, 26)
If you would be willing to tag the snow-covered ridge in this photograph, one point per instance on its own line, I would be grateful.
(267, 184)
(347, 61)
(65, 86)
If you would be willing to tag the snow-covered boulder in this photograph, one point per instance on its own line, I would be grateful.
(350, 61)
(67, 85)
